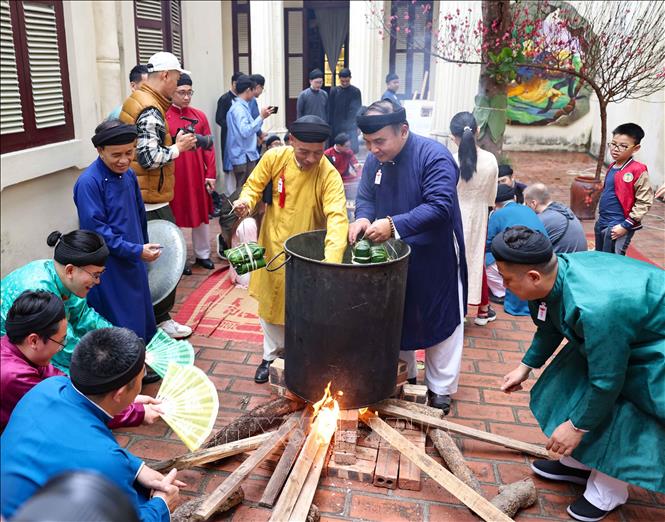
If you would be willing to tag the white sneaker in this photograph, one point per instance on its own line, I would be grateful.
(175, 330)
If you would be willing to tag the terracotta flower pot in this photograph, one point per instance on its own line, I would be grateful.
(584, 195)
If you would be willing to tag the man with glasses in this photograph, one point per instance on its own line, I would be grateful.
(76, 268)
(36, 331)
(195, 174)
(627, 194)
(156, 152)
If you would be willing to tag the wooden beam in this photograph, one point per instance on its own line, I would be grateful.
(281, 472)
(431, 422)
(232, 482)
(441, 475)
(302, 507)
(204, 456)
(289, 497)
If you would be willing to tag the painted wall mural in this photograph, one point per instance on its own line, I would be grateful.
(544, 97)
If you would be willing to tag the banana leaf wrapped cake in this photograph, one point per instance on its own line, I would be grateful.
(364, 253)
(246, 257)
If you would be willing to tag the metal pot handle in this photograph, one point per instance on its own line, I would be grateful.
(288, 258)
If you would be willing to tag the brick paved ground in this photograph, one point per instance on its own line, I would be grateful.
(489, 353)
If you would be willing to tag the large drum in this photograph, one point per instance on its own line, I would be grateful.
(343, 322)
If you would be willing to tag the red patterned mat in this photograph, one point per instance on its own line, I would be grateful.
(220, 310)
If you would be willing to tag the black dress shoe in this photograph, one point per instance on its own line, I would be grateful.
(262, 372)
(205, 263)
(441, 402)
(187, 270)
(150, 376)
(412, 380)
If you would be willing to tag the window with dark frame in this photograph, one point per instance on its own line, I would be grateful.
(242, 36)
(410, 56)
(158, 28)
(35, 99)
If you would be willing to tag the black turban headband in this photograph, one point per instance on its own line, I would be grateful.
(310, 129)
(316, 73)
(122, 134)
(20, 326)
(88, 382)
(185, 79)
(523, 246)
(68, 255)
(376, 122)
(504, 193)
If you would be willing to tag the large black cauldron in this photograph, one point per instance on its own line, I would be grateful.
(343, 322)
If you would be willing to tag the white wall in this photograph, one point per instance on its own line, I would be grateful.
(203, 47)
(36, 183)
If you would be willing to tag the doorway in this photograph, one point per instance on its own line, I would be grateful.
(305, 49)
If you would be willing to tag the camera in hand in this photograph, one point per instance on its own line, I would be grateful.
(202, 141)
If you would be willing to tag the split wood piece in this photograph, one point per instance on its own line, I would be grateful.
(415, 393)
(441, 475)
(412, 406)
(454, 459)
(430, 422)
(516, 496)
(185, 512)
(304, 503)
(200, 457)
(285, 464)
(294, 484)
(226, 488)
(409, 473)
(387, 467)
(258, 420)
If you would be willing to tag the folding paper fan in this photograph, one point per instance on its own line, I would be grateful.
(190, 403)
(162, 350)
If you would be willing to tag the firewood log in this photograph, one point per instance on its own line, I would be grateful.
(185, 512)
(454, 459)
(314, 514)
(516, 496)
(260, 419)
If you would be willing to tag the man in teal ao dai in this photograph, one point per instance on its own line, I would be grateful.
(601, 400)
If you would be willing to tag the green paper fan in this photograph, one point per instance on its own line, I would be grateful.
(190, 404)
(163, 349)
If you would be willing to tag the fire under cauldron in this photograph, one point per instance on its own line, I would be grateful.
(343, 322)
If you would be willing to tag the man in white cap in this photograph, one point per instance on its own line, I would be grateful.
(156, 152)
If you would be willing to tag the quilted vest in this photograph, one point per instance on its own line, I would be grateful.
(156, 184)
(624, 183)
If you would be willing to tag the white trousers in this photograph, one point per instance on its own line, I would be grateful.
(443, 360)
(603, 491)
(273, 339)
(495, 281)
(201, 241)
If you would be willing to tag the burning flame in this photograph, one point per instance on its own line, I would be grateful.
(326, 412)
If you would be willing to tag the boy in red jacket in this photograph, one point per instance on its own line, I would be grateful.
(627, 194)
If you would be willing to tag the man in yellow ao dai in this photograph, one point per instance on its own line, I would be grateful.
(307, 194)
